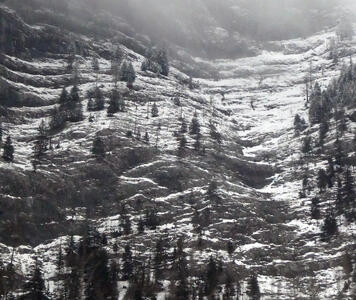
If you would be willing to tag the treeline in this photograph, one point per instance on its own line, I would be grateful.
(92, 267)
(334, 185)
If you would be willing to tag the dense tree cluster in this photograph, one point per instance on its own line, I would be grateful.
(156, 61)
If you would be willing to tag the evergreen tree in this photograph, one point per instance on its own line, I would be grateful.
(36, 285)
(211, 276)
(307, 145)
(98, 148)
(159, 259)
(315, 210)
(141, 226)
(349, 190)
(124, 71)
(230, 247)
(154, 110)
(98, 100)
(95, 64)
(72, 284)
(131, 75)
(8, 150)
(57, 119)
(127, 266)
(74, 106)
(322, 180)
(162, 60)
(253, 289)
(64, 97)
(114, 104)
(1, 132)
(42, 140)
(316, 112)
(329, 227)
(182, 146)
(195, 125)
(323, 130)
(299, 124)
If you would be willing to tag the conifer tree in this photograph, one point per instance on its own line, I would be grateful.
(329, 227)
(349, 190)
(159, 259)
(182, 146)
(154, 110)
(36, 285)
(253, 289)
(307, 145)
(315, 210)
(195, 125)
(131, 75)
(115, 103)
(8, 150)
(124, 71)
(98, 148)
(316, 112)
(64, 97)
(42, 140)
(162, 60)
(299, 124)
(99, 99)
(322, 180)
(211, 276)
(230, 247)
(127, 266)
(1, 133)
(57, 119)
(74, 106)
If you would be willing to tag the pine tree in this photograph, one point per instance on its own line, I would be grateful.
(182, 146)
(36, 285)
(316, 113)
(195, 125)
(159, 259)
(141, 226)
(154, 110)
(299, 124)
(323, 130)
(329, 227)
(124, 71)
(315, 210)
(114, 104)
(1, 133)
(8, 150)
(64, 97)
(162, 60)
(41, 143)
(131, 75)
(57, 119)
(322, 180)
(211, 277)
(127, 265)
(95, 64)
(253, 289)
(307, 145)
(349, 189)
(98, 148)
(74, 106)
(230, 247)
(99, 99)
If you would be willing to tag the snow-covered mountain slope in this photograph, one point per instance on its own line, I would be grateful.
(257, 167)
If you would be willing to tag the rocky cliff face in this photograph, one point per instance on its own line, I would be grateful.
(234, 196)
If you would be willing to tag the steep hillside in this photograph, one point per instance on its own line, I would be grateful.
(218, 166)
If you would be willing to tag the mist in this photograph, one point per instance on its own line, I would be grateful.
(208, 28)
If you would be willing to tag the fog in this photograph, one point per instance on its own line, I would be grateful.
(213, 28)
(189, 23)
